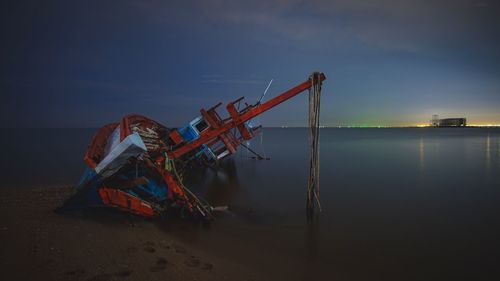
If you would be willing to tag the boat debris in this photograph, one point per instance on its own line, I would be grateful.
(138, 165)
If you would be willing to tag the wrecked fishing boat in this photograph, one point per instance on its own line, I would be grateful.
(137, 165)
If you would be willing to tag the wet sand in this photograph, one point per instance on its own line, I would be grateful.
(38, 243)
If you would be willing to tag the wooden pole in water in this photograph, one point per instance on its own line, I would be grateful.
(314, 130)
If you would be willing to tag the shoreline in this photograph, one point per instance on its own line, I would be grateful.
(100, 244)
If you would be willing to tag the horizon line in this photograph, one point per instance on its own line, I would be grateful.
(321, 127)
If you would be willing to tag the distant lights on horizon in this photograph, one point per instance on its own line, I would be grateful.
(385, 126)
(483, 125)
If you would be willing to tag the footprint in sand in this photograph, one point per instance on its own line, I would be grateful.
(179, 249)
(149, 247)
(160, 265)
(192, 262)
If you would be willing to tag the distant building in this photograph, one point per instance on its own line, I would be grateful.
(435, 120)
(448, 122)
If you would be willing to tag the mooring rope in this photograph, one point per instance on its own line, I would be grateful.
(314, 167)
(203, 207)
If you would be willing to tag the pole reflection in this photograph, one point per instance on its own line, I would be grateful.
(488, 152)
(421, 155)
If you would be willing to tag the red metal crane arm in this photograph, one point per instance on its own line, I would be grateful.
(259, 109)
(252, 112)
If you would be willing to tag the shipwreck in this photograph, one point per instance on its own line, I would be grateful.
(137, 164)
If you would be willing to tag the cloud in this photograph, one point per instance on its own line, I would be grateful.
(393, 25)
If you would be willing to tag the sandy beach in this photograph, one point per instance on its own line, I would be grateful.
(96, 245)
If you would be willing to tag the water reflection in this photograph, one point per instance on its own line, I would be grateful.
(312, 239)
(421, 155)
(224, 184)
(488, 152)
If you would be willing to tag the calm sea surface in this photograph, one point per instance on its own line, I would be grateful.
(398, 204)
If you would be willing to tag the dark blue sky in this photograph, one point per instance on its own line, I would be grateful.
(388, 62)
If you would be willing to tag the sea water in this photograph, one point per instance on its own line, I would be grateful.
(397, 204)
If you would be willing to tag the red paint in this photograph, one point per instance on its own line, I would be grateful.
(95, 152)
(176, 137)
(127, 202)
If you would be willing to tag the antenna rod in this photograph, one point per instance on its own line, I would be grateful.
(265, 91)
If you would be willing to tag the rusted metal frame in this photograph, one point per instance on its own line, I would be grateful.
(215, 117)
(233, 112)
(246, 108)
(213, 123)
(251, 113)
(229, 144)
(227, 138)
(245, 133)
(209, 119)
(212, 112)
